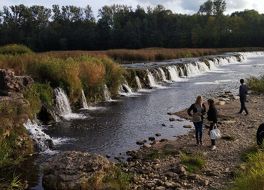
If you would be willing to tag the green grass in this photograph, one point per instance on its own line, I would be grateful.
(117, 179)
(193, 162)
(252, 176)
(15, 49)
(72, 72)
(256, 84)
(14, 140)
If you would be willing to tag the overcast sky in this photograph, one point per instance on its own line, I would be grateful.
(179, 6)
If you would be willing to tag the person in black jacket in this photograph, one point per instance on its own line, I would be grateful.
(212, 117)
(260, 134)
(197, 110)
(243, 91)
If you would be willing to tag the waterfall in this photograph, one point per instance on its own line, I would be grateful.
(174, 76)
(138, 83)
(192, 69)
(107, 95)
(163, 76)
(84, 101)
(182, 72)
(211, 65)
(63, 107)
(43, 141)
(202, 66)
(223, 61)
(127, 88)
(62, 102)
(151, 79)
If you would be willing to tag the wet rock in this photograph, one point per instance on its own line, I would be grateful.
(152, 138)
(172, 119)
(49, 143)
(163, 125)
(141, 142)
(163, 140)
(157, 134)
(75, 170)
(187, 126)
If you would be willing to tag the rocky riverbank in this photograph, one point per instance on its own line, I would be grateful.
(168, 165)
(171, 164)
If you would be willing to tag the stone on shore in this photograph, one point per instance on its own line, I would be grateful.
(76, 170)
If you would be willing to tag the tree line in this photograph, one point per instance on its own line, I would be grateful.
(121, 26)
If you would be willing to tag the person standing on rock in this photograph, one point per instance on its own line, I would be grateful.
(212, 117)
(243, 91)
(196, 111)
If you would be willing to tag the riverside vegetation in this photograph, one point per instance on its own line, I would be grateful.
(121, 26)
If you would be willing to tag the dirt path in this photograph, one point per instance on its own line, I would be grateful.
(221, 164)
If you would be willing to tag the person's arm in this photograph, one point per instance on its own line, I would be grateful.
(214, 115)
(204, 109)
(190, 109)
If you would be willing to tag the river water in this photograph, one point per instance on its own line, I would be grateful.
(115, 128)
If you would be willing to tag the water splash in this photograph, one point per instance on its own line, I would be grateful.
(43, 141)
(84, 101)
(63, 107)
(163, 76)
(138, 83)
(107, 95)
(174, 76)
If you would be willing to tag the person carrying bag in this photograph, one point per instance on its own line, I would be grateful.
(212, 117)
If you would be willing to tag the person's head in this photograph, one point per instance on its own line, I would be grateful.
(242, 81)
(210, 102)
(199, 100)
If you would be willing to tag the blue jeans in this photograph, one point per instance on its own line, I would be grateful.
(198, 131)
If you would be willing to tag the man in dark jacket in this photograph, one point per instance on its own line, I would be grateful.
(260, 134)
(243, 90)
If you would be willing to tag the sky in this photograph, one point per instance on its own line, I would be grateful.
(177, 6)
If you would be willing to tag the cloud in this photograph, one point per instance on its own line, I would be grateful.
(178, 6)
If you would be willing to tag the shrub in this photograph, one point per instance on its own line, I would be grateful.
(252, 177)
(15, 49)
(256, 84)
(38, 94)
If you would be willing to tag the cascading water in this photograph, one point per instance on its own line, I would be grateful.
(84, 101)
(151, 79)
(202, 66)
(174, 76)
(182, 72)
(107, 95)
(163, 76)
(212, 65)
(192, 69)
(43, 141)
(63, 107)
(138, 83)
(223, 61)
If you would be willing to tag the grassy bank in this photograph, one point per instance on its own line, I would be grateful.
(251, 174)
(126, 56)
(256, 84)
(72, 72)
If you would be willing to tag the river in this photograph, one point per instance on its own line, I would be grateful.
(118, 125)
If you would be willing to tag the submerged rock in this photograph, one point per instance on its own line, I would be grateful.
(76, 170)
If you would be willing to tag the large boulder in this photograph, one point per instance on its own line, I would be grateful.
(10, 83)
(76, 170)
